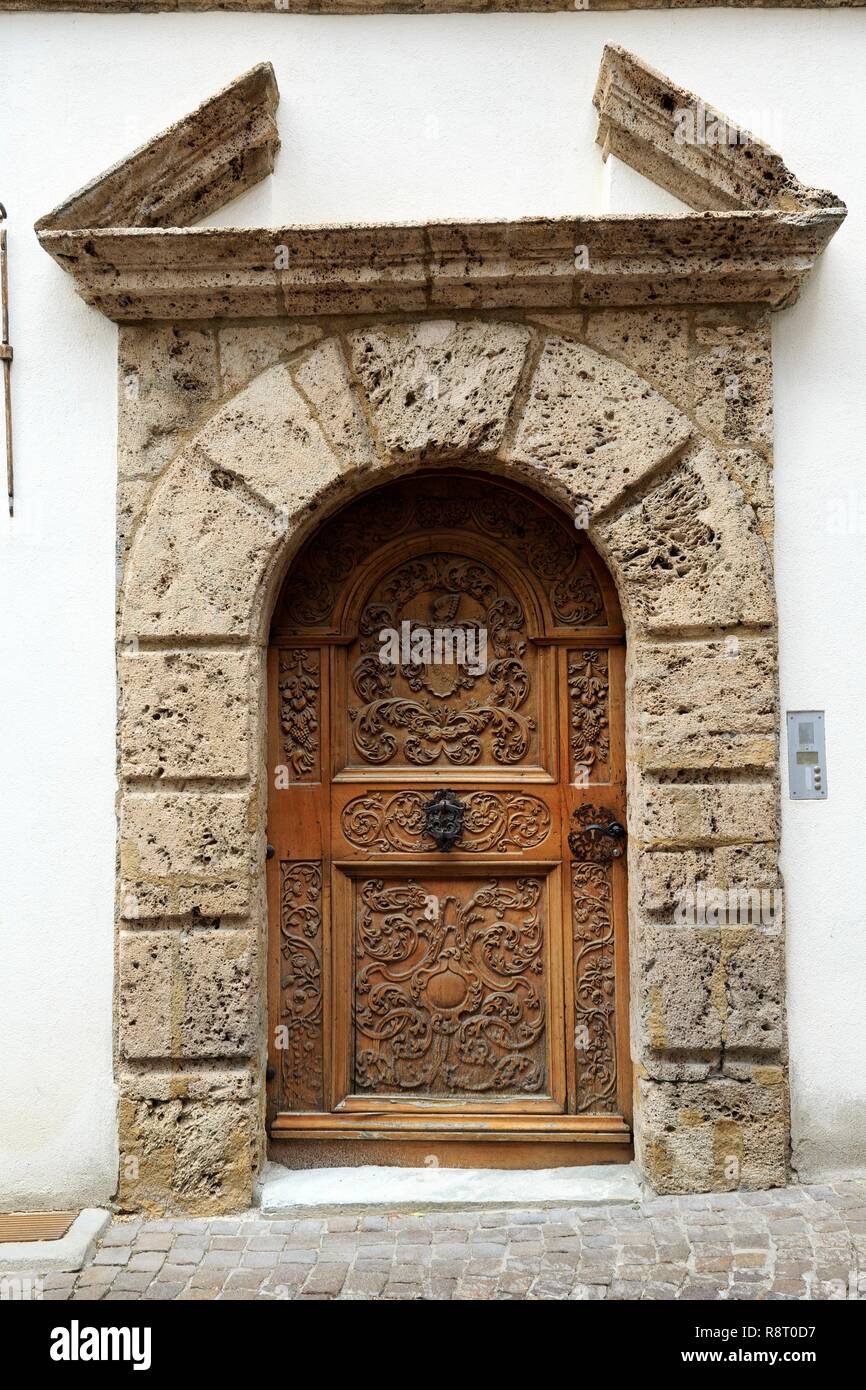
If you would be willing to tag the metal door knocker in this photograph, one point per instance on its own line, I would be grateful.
(443, 819)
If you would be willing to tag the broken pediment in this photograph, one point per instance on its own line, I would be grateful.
(128, 241)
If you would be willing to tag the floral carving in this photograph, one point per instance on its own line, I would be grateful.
(301, 1053)
(492, 821)
(443, 724)
(299, 712)
(594, 986)
(449, 992)
(542, 542)
(589, 733)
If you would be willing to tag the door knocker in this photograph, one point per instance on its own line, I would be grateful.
(443, 819)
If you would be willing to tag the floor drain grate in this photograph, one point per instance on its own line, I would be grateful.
(35, 1225)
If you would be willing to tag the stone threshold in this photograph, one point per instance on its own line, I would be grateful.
(66, 1255)
(318, 1191)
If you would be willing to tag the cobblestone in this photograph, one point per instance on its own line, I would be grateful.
(796, 1243)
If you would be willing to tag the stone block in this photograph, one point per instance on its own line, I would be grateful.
(655, 343)
(188, 1143)
(439, 389)
(687, 552)
(323, 377)
(246, 349)
(705, 704)
(185, 853)
(267, 438)
(753, 966)
(188, 995)
(167, 383)
(187, 714)
(667, 881)
(682, 990)
(593, 417)
(715, 1135)
(197, 563)
(733, 379)
(673, 814)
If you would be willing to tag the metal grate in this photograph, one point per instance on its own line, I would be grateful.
(35, 1225)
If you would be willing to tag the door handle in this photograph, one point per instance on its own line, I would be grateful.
(596, 834)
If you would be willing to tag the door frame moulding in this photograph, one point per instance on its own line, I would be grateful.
(261, 401)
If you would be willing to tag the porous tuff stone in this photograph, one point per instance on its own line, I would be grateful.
(714, 1135)
(188, 994)
(439, 389)
(188, 1142)
(187, 714)
(589, 415)
(705, 704)
(241, 488)
(687, 552)
(185, 854)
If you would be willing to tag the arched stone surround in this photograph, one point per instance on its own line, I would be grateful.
(235, 440)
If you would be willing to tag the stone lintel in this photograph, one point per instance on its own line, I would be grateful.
(193, 168)
(174, 273)
(678, 141)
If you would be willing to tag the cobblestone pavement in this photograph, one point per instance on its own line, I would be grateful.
(794, 1243)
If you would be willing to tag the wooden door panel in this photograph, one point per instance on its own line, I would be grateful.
(478, 718)
(496, 821)
(477, 989)
(455, 973)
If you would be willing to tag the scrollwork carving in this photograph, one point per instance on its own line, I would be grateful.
(502, 821)
(589, 714)
(301, 1050)
(449, 991)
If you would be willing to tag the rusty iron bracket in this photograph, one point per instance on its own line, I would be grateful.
(6, 358)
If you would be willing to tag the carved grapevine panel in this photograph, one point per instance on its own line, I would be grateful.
(299, 683)
(450, 987)
(493, 821)
(462, 712)
(301, 1013)
(589, 714)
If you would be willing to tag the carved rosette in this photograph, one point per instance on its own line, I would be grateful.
(301, 1012)
(449, 992)
(502, 821)
(299, 689)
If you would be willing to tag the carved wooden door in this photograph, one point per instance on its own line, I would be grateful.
(447, 884)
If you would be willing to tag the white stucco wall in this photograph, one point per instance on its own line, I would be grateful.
(389, 117)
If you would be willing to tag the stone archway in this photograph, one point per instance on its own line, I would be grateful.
(228, 484)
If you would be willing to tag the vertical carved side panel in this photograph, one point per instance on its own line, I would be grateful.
(300, 713)
(589, 716)
(594, 960)
(301, 1012)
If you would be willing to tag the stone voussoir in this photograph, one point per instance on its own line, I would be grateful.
(440, 388)
(588, 415)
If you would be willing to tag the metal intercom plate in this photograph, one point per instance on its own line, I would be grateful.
(807, 755)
